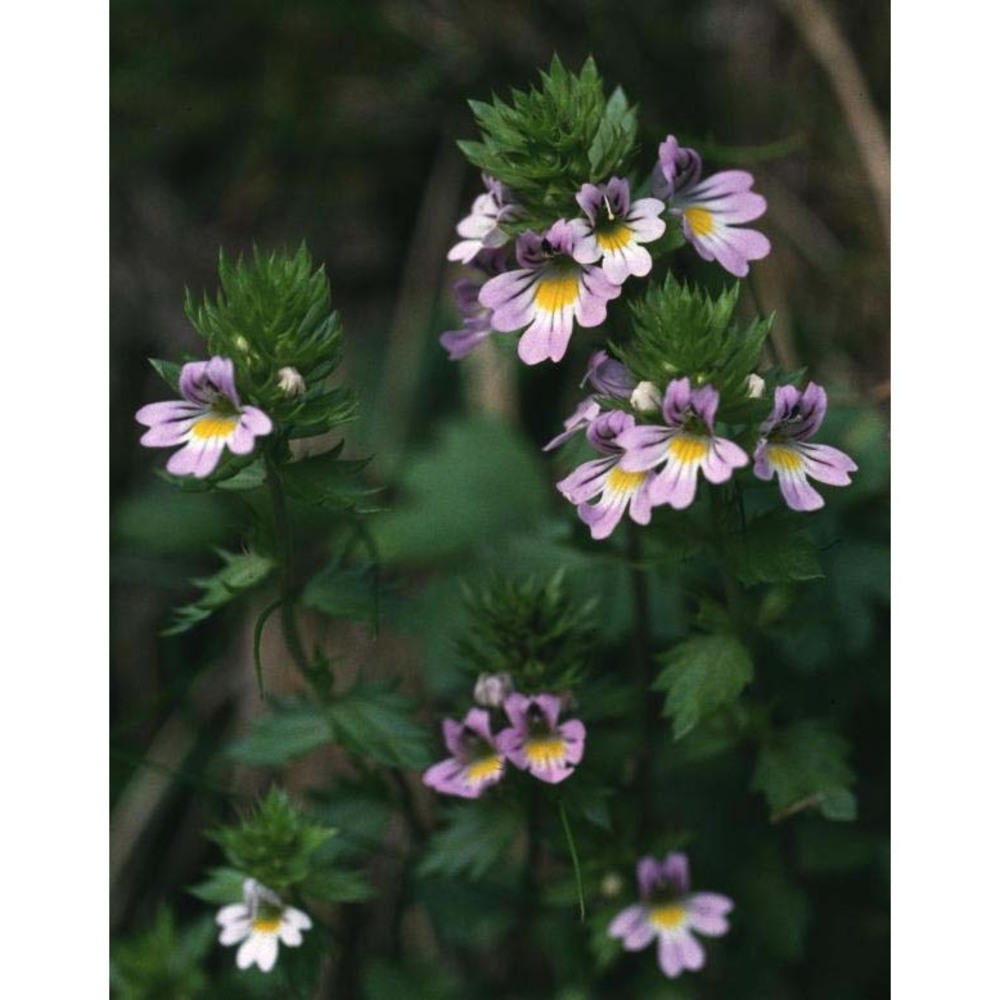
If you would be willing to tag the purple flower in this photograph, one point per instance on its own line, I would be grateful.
(587, 412)
(476, 325)
(710, 208)
(550, 288)
(686, 444)
(615, 487)
(481, 229)
(795, 418)
(669, 912)
(536, 743)
(609, 377)
(208, 420)
(474, 764)
(616, 227)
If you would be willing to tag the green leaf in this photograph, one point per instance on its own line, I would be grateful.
(478, 483)
(328, 481)
(376, 722)
(773, 549)
(250, 477)
(332, 885)
(223, 886)
(804, 767)
(476, 840)
(241, 573)
(283, 736)
(169, 371)
(702, 675)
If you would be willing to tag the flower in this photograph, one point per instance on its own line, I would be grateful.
(291, 382)
(669, 911)
(604, 478)
(608, 377)
(492, 689)
(536, 743)
(474, 764)
(260, 921)
(208, 420)
(686, 444)
(585, 414)
(550, 288)
(795, 418)
(646, 398)
(615, 227)
(476, 321)
(481, 229)
(709, 208)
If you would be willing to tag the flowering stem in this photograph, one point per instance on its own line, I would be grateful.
(644, 673)
(576, 861)
(283, 540)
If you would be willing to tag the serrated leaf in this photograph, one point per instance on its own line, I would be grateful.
(283, 736)
(773, 549)
(805, 767)
(241, 573)
(335, 886)
(701, 675)
(477, 838)
(223, 885)
(376, 722)
(250, 477)
(328, 481)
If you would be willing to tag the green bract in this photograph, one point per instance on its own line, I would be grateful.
(275, 844)
(273, 313)
(547, 143)
(680, 331)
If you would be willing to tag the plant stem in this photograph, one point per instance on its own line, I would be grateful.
(283, 541)
(643, 654)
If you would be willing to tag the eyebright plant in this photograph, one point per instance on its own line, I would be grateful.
(615, 684)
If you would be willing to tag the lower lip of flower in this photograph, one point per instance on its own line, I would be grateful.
(785, 459)
(546, 751)
(700, 220)
(557, 292)
(213, 427)
(611, 240)
(667, 918)
(267, 925)
(483, 770)
(688, 449)
(625, 482)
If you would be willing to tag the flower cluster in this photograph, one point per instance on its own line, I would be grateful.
(260, 922)
(535, 742)
(208, 420)
(649, 464)
(568, 273)
(668, 912)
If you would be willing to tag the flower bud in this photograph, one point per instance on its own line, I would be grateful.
(755, 386)
(646, 398)
(612, 885)
(492, 689)
(290, 382)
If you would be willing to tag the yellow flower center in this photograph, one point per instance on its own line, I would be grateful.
(785, 459)
(625, 482)
(545, 750)
(267, 925)
(667, 918)
(700, 220)
(688, 450)
(213, 426)
(611, 240)
(481, 770)
(554, 294)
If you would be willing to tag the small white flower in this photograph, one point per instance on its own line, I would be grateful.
(290, 382)
(646, 398)
(260, 921)
(492, 689)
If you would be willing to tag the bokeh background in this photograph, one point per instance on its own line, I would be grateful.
(335, 123)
